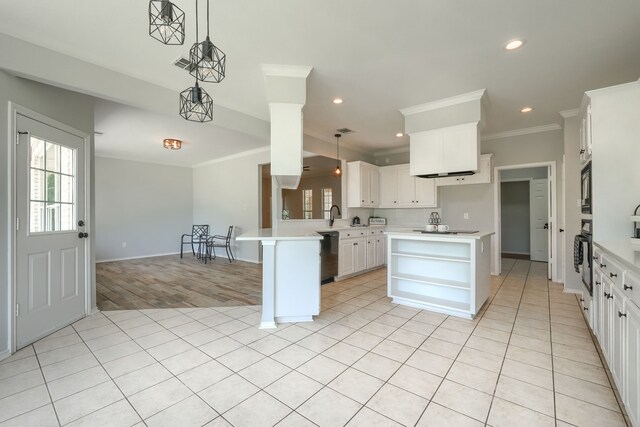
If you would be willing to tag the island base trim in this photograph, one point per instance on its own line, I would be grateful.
(294, 319)
(268, 325)
(430, 307)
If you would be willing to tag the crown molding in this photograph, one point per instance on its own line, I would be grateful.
(567, 114)
(391, 151)
(276, 70)
(234, 156)
(446, 102)
(523, 131)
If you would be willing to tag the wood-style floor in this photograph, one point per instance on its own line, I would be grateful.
(171, 282)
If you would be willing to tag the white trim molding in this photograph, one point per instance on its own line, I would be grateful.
(520, 132)
(286, 70)
(567, 114)
(234, 156)
(445, 102)
(135, 257)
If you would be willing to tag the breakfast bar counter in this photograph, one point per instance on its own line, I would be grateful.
(447, 273)
(290, 275)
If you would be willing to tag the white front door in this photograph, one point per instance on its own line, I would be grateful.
(50, 207)
(539, 216)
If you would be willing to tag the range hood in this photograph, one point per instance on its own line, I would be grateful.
(444, 175)
(445, 136)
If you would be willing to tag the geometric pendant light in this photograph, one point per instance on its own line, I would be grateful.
(166, 22)
(195, 103)
(207, 61)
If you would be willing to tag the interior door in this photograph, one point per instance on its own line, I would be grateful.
(539, 216)
(50, 237)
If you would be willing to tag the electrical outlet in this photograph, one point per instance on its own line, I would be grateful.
(124, 244)
(466, 215)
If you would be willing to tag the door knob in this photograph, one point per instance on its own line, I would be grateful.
(82, 235)
(81, 223)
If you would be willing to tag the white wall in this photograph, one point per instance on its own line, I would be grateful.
(525, 173)
(227, 193)
(147, 206)
(67, 107)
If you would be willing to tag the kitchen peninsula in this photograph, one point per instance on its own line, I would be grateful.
(447, 273)
(290, 275)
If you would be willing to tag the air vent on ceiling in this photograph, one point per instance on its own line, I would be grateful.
(183, 63)
(344, 130)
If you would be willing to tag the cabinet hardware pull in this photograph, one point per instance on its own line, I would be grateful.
(620, 314)
(595, 258)
(606, 295)
(627, 288)
(610, 296)
(586, 308)
(603, 265)
(613, 275)
(582, 151)
(598, 283)
(581, 299)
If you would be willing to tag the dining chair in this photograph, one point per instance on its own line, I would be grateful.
(198, 236)
(220, 241)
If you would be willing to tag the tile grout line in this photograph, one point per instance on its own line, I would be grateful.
(55, 411)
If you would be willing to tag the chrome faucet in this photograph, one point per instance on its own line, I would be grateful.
(331, 218)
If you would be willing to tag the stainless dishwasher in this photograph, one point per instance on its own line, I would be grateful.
(329, 255)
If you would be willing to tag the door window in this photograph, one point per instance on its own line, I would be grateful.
(52, 184)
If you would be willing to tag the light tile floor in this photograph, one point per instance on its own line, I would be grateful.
(527, 359)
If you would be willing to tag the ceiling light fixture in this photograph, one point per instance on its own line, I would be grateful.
(514, 44)
(195, 103)
(527, 110)
(338, 170)
(172, 144)
(207, 60)
(338, 101)
(399, 134)
(166, 22)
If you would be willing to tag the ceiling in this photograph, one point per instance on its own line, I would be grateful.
(315, 166)
(378, 55)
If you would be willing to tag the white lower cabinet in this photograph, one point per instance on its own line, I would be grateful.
(631, 393)
(360, 250)
(605, 340)
(597, 304)
(618, 323)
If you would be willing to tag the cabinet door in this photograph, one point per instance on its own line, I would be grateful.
(374, 187)
(597, 303)
(406, 188)
(587, 134)
(381, 253)
(426, 151)
(371, 252)
(617, 335)
(605, 342)
(345, 258)
(631, 393)
(460, 148)
(365, 186)
(450, 180)
(426, 193)
(360, 254)
(483, 175)
(388, 187)
(583, 144)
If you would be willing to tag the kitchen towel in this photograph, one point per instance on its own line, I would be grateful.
(578, 256)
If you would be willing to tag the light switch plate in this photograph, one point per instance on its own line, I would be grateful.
(466, 215)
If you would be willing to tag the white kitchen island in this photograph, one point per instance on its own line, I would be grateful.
(447, 273)
(290, 275)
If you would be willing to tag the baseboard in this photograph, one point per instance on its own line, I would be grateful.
(516, 255)
(5, 354)
(572, 291)
(135, 257)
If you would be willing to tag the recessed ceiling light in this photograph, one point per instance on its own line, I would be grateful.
(337, 101)
(526, 110)
(399, 134)
(514, 44)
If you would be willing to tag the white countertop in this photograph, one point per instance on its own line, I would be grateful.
(270, 234)
(625, 250)
(413, 233)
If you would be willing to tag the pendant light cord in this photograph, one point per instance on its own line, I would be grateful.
(207, 18)
(196, 21)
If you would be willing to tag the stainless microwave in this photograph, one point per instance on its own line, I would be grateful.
(585, 189)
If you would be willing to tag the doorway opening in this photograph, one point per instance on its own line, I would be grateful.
(525, 215)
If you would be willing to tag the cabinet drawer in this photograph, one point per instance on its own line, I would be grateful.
(631, 286)
(352, 234)
(597, 255)
(612, 270)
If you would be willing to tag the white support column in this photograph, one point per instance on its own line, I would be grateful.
(268, 320)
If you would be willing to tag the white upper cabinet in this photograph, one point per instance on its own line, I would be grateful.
(363, 186)
(482, 176)
(398, 189)
(446, 150)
